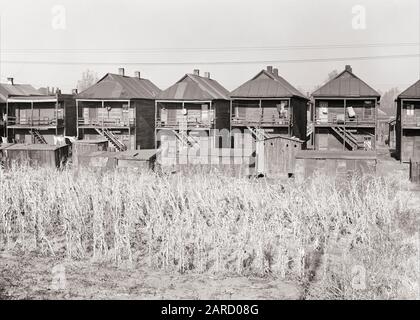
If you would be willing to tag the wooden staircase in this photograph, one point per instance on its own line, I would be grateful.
(186, 139)
(259, 134)
(309, 130)
(112, 139)
(349, 138)
(38, 136)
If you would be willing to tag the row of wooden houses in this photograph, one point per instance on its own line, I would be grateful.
(132, 113)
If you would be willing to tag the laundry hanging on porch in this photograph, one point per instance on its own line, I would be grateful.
(350, 112)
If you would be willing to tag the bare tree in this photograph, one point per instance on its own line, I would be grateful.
(89, 78)
(388, 101)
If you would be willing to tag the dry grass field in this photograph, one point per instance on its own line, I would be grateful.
(129, 235)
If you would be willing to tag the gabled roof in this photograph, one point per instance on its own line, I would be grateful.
(17, 90)
(267, 85)
(114, 87)
(345, 85)
(412, 92)
(195, 88)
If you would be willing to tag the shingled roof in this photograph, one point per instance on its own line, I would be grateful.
(346, 85)
(114, 87)
(193, 87)
(17, 90)
(267, 84)
(413, 92)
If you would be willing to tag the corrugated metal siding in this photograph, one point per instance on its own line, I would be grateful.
(346, 84)
(265, 85)
(114, 86)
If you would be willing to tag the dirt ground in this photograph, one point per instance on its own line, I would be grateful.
(32, 277)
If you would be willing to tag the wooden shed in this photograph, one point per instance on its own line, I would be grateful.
(276, 156)
(37, 155)
(83, 147)
(227, 161)
(408, 124)
(133, 159)
(334, 163)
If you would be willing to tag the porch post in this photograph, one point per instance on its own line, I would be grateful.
(103, 107)
(56, 117)
(6, 131)
(290, 118)
(129, 129)
(77, 119)
(345, 128)
(32, 120)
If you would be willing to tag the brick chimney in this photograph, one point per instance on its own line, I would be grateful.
(10, 81)
(276, 72)
(74, 92)
(121, 71)
(207, 75)
(196, 72)
(137, 74)
(349, 68)
(270, 69)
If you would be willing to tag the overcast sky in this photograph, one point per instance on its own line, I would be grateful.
(173, 37)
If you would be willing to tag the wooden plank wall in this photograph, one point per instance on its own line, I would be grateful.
(410, 145)
(334, 164)
(81, 149)
(300, 118)
(70, 120)
(278, 157)
(415, 171)
(145, 124)
(38, 158)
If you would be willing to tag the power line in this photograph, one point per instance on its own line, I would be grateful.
(214, 49)
(360, 58)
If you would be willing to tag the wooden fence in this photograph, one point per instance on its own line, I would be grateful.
(415, 171)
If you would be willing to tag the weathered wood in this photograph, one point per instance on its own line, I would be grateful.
(415, 171)
(37, 155)
(276, 156)
(335, 164)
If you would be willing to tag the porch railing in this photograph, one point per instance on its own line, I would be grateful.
(411, 121)
(105, 122)
(345, 119)
(29, 122)
(194, 123)
(263, 120)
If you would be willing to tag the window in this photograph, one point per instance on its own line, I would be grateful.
(368, 112)
(125, 108)
(410, 110)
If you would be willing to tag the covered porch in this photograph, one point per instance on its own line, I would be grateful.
(184, 115)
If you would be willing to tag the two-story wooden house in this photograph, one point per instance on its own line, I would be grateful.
(121, 109)
(269, 106)
(33, 117)
(345, 114)
(408, 124)
(193, 109)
